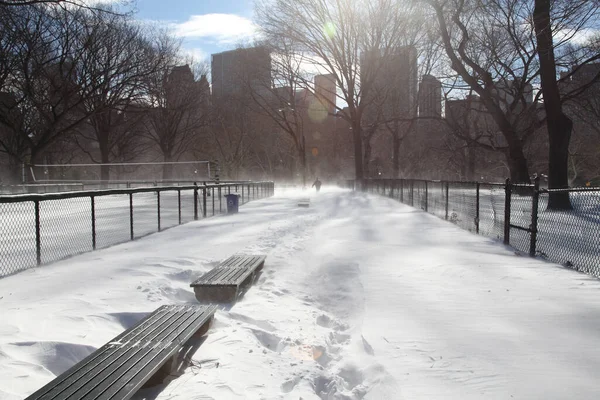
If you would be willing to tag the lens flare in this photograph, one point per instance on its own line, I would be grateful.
(329, 30)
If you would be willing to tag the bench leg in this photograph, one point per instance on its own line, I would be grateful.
(215, 294)
(175, 365)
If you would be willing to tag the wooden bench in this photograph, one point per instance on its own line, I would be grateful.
(226, 282)
(123, 365)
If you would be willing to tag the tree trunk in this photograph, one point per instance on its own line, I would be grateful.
(367, 159)
(396, 151)
(559, 135)
(558, 124)
(517, 164)
(358, 156)
(104, 158)
(35, 156)
(302, 158)
(470, 164)
(167, 168)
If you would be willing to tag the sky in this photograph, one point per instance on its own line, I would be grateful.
(206, 26)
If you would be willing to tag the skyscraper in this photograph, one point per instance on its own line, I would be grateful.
(393, 83)
(236, 71)
(430, 97)
(325, 91)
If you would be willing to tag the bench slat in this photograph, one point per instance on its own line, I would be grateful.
(98, 382)
(92, 374)
(99, 356)
(145, 347)
(223, 283)
(130, 382)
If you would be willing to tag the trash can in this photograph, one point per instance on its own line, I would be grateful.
(233, 201)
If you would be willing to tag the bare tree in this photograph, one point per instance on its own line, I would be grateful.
(547, 18)
(123, 55)
(178, 110)
(277, 99)
(334, 35)
(47, 84)
(494, 47)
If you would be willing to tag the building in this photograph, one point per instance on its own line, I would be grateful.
(236, 71)
(393, 83)
(513, 91)
(325, 92)
(430, 97)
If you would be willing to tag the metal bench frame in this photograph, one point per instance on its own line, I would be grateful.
(229, 280)
(127, 362)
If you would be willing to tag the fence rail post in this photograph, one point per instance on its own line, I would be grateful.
(93, 204)
(507, 200)
(212, 194)
(38, 239)
(158, 207)
(131, 215)
(179, 204)
(195, 202)
(534, 217)
(426, 197)
(447, 198)
(204, 201)
(477, 209)
(402, 190)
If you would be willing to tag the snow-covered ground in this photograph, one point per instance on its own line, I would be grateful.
(361, 297)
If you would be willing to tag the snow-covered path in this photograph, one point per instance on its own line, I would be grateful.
(361, 297)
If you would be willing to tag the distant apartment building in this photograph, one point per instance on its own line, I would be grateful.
(513, 94)
(393, 83)
(430, 97)
(237, 71)
(325, 91)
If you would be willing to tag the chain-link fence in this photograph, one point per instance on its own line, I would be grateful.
(517, 214)
(41, 228)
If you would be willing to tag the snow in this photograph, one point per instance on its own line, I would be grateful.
(361, 297)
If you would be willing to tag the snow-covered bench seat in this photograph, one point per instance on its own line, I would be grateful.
(123, 365)
(304, 203)
(226, 282)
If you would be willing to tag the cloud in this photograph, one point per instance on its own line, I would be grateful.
(224, 28)
(196, 54)
(579, 37)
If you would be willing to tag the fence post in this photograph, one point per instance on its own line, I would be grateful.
(38, 239)
(534, 216)
(158, 207)
(212, 194)
(507, 200)
(93, 222)
(412, 192)
(242, 185)
(220, 202)
(401, 190)
(131, 215)
(204, 201)
(426, 197)
(477, 209)
(447, 191)
(195, 202)
(179, 204)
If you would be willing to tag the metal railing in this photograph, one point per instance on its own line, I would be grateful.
(37, 229)
(72, 186)
(517, 214)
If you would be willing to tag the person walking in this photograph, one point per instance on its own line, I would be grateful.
(317, 184)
